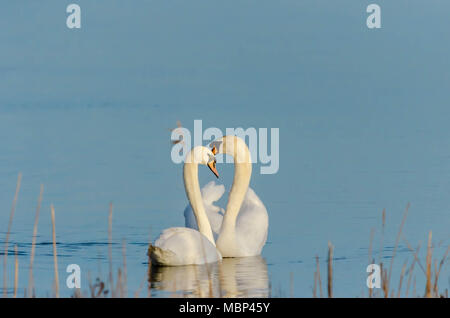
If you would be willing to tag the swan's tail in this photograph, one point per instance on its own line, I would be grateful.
(158, 256)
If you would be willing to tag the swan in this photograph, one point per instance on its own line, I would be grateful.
(185, 246)
(242, 229)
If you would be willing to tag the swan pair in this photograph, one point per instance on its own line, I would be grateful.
(211, 234)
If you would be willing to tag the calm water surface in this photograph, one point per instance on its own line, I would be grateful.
(363, 118)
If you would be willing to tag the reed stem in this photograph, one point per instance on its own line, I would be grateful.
(55, 254)
(16, 271)
(330, 270)
(429, 261)
(11, 216)
(111, 281)
(33, 242)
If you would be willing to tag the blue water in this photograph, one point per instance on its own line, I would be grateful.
(363, 118)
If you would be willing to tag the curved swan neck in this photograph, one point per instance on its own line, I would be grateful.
(237, 148)
(192, 187)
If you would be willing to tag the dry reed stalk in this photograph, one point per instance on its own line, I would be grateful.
(380, 255)
(141, 285)
(119, 286)
(124, 254)
(405, 214)
(11, 216)
(319, 279)
(429, 261)
(16, 271)
(138, 291)
(435, 273)
(383, 223)
(416, 257)
(330, 270)
(438, 271)
(91, 288)
(401, 280)
(411, 270)
(315, 285)
(55, 253)
(111, 282)
(384, 281)
(33, 242)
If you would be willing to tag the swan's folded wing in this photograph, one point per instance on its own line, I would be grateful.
(167, 233)
(183, 246)
(211, 192)
(252, 224)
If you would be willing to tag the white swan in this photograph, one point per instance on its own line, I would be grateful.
(185, 246)
(242, 230)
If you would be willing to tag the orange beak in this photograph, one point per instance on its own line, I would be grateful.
(212, 167)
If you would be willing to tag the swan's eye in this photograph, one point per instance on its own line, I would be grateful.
(215, 145)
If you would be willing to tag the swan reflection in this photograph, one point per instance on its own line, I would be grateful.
(232, 277)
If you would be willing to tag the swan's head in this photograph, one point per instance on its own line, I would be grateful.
(203, 156)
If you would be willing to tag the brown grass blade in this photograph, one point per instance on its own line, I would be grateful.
(33, 242)
(11, 216)
(429, 261)
(401, 280)
(319, 279)
(405, 214)
(16, 271)
(438, 271)
(111, 281)
(411, 270)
